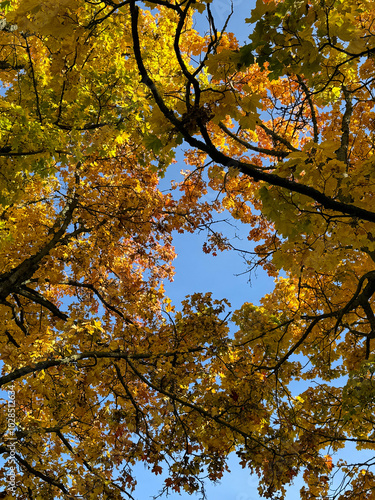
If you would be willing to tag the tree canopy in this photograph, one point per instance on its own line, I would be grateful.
(96, 97)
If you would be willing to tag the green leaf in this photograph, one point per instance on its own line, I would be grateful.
(246, 57)
(154, 143)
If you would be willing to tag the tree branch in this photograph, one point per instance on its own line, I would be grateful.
(12, 280)
(277, 137)
(342, 152)
(196, 408)
(37, 473)
(248, 169)
(311, 106)
(247, 145)
(49, 363)
(91, 287)
(38, 298)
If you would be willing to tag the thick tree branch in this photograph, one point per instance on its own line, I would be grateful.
(8, 153)
(248, 169)
(48, 479)
(176, 44)
(342, 152)
(49, 363)
(88, 126)
(37, 100)
(12, 280)
(39, 299)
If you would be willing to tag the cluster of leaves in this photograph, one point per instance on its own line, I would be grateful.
(96, 97)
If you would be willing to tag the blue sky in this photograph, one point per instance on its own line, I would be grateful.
(225, 275)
